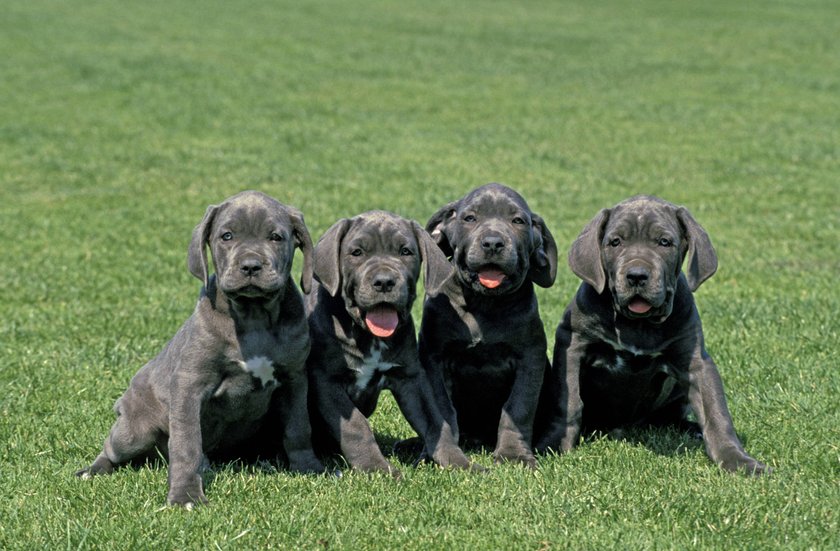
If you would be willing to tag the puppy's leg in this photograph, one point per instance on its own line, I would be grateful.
(350, 428)
(516, 425)
(297, 431)
(417, 402)
(185, 443)
(708, 401)
(133, 435)
(562, 430)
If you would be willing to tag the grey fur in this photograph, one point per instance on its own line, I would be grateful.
(485, 348)
(233, 376)
(632, 367)
(345, 377)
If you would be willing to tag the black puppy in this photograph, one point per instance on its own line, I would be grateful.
(630, 350)
(481, 338)
(363, 339)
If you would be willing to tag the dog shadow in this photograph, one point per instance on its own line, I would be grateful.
(667, 441)
(248, 464)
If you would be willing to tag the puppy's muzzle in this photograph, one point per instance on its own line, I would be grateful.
(637, 277)
(382, 298)
(383, 281)
(492, 244)
(250, 275)
(250, 266)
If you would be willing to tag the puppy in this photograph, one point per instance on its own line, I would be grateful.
(237, 365)
(481, 339)
(630, 346)
(366, 270)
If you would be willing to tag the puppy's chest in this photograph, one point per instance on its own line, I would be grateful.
(247, 381)
(481, 360)
(263, 355)
(261, 370)
(369, 371)
(621, 360)
(255, 369)
(627, 371)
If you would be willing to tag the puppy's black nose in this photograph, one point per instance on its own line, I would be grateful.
(250, 266)
(492, 244)
(637, 277)
(383, 282)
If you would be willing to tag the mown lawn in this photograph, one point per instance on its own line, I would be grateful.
(120, 122)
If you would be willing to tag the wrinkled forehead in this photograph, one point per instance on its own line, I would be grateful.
(494, 201)
(644, 217)
(252, 212)
(380, 230)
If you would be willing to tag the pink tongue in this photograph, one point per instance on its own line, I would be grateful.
(490, 278)
(382, 320)
(639, 306)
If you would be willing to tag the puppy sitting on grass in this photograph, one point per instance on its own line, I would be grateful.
(366, 270)
(482, 341)
(629, 350)
(234, 373)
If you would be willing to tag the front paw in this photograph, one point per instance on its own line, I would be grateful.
(746, 465)
(523, 457)
(455, 458)
(379, 467)
(187, 495)
(736, 460)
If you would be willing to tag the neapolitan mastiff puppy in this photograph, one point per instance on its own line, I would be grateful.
(236, 369)
(629, 350)
(481, 338)
(366, 270)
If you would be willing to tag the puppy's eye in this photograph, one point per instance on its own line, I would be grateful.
(275, 236)
(518, 220)
(356, 252)
(665, 242)
(227, 236)
(469, 218)
(615, 242)
(405, 251)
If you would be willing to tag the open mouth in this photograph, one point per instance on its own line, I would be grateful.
(490, 277)
(382, 320)
(639, 306)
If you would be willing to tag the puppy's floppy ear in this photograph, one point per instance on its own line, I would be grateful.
(304, 241)
(436, 226)
(197, 253)
(585, 254)
(543, 270)
(702, 259)
(326, 265)
(437, 267)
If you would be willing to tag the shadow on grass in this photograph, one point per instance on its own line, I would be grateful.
(249, 464)
(666, 441)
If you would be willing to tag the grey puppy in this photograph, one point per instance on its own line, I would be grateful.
(366, 270)
(629, 350)
(236, 369)
(482, 340)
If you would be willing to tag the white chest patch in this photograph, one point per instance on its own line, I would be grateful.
(620, 347)
(261, 368)
(372, 365)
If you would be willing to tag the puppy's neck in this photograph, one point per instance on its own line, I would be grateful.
(249, 313)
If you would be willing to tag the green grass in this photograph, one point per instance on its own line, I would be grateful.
(120, 122)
